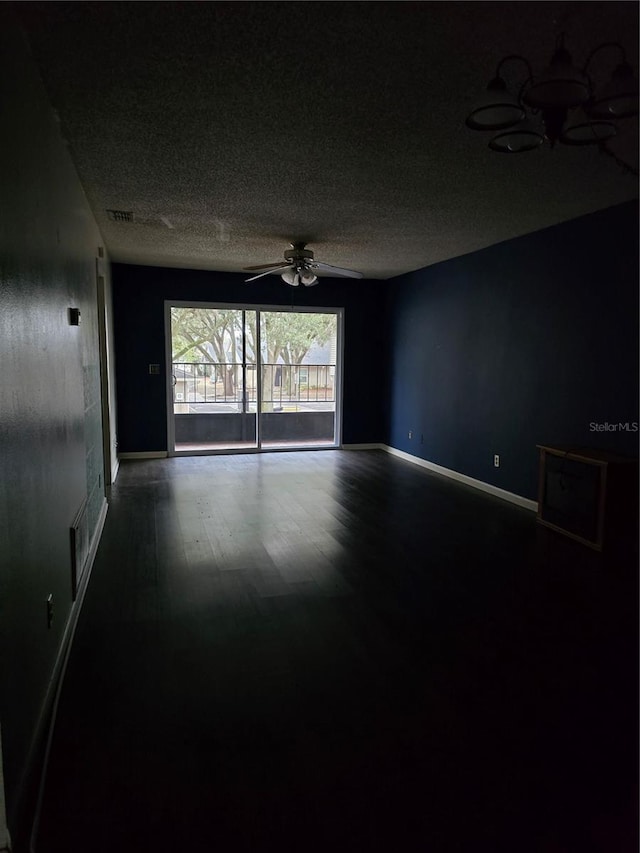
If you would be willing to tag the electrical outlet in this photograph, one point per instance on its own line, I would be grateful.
(410, 434)
(49, 610)
(496, 461)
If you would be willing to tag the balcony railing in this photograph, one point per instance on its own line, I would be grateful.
(198, 384)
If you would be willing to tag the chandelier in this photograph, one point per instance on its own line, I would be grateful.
(562, 104)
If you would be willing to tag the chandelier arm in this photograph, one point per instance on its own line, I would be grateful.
(514, 56)
(591, 89)
(601, 47)
(521, 92)
(624, 166)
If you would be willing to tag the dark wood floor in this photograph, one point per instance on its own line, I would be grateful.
(340, 651)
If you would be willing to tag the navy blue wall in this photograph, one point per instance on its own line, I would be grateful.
(138, 301)
(51, 459)
(527, 342)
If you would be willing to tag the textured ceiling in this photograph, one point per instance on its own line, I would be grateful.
(230, 129)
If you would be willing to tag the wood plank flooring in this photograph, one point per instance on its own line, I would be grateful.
(339, 650)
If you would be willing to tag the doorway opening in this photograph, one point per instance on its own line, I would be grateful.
(246, 379)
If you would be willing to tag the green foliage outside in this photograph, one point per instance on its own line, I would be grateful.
(286, 336)
(212, 335)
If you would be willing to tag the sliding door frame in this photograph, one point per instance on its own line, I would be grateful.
(242, 306)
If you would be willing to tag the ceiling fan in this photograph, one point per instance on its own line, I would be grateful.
(300, 268)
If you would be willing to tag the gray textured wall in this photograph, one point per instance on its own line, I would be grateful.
(51, 454)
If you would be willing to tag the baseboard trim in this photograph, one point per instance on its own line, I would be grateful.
(5, 837)
(48, 711)
(145, 454)
(93, 549)
(503, 494)
(363, 447)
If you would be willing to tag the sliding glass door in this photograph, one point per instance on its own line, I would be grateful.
(213, 378)
(298, 367)
(247, 379)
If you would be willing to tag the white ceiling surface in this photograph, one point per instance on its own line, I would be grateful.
(230, 129)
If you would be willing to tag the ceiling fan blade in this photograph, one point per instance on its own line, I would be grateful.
(268, 272)
(263, 266)
(335, 270)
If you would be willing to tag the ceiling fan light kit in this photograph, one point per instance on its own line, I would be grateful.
(296, 277)
(542, 110)
(300, 268)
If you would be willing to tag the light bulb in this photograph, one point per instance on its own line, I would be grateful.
(582, 130)
(291, 277)
(496, 108)
(561, 85)
(525, 137)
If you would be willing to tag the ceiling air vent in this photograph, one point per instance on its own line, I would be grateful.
(120, 215)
